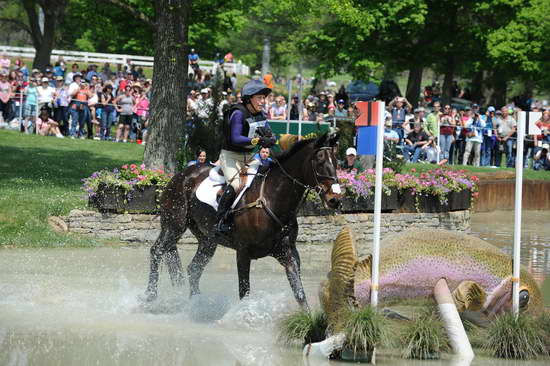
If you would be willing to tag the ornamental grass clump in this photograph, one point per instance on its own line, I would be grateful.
(365, 329)
(127, 178)
(303, 326)
(515, 337)
(424, 337)
(543, 321)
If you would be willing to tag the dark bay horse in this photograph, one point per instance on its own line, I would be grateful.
(265, 222)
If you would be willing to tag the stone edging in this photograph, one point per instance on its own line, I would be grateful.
(143, 228)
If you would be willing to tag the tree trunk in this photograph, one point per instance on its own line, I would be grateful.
(168, 102)
(500, 84)
(414, 84)
(477, 87)
(43, 40)
(448, 79)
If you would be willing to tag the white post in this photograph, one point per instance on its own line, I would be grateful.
(300, 128)
(377, 204)
(517, 218)
(437, 149)
(289, 105)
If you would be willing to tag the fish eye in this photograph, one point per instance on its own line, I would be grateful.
(523, 299)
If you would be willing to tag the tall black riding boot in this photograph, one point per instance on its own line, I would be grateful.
(223, 216)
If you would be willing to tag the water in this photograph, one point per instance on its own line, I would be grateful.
(80, 306)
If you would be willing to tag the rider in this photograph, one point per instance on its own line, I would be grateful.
(244, 127)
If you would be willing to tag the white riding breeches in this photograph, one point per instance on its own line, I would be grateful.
(233, 162)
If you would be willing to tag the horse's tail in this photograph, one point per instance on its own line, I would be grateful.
(340, 292)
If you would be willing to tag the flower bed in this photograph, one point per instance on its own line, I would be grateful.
(437, 190)
(131, 188)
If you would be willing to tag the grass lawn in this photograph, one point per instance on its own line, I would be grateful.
(40, 177)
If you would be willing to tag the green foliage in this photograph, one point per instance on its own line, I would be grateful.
(424, 337)
(515, 337)
(303, 326)
(41, 177)
(365, 329)
(543, 322)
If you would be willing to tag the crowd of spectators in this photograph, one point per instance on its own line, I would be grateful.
(65, 101)
(467, 135)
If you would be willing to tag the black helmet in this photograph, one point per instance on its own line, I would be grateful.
(254, 87)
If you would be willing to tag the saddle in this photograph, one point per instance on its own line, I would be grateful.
(211, 188)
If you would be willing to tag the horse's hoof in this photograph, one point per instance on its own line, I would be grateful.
(147, 297)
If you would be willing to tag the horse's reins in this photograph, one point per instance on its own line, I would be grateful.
(260, 202)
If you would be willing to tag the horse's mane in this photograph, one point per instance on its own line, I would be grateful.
(285, 155)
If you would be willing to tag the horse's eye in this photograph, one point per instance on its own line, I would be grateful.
(523, 298)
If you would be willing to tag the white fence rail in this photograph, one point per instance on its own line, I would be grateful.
(93, 57)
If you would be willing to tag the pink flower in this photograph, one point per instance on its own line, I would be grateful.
(125, 166)
(133, 166)
(142, 166)
(141, 177)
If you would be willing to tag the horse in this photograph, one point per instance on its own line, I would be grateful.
(264, 220)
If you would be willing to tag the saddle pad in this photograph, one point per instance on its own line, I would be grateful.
(208, 189)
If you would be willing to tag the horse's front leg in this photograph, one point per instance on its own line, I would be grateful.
(243, 270)
(290, 259)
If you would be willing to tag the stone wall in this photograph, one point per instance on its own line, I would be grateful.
(313, 229)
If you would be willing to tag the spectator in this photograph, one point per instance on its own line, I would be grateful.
(263, 157)
(107, 111)
(257, 75)
(6, 93)
(446, 132)
(399, 108)
(432, 121)
(331, 105)
(488, 137)
(341, 110)
(351, 164)
(506, 135)
(342, 95)
(389, 134)
(542, 158)
(322, 104)
(416, 143)
(5, 63)
(295, 108)
(45, 126)
(474, 138)
(59, 70)
(205, 105)
(228, 57)
(268, 80)
(77, 107)
(31, 106)
(45, 95)
(141, 111)
(125, 106)
(544, 125)
(106, 72)
(278, 111)
(200, 160)
(61, 105)
(69, 77)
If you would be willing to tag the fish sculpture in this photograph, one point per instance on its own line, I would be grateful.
(478, 274)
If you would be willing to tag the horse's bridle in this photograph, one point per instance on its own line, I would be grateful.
(318, 188)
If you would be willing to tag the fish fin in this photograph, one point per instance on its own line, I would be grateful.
(470, 296)
(363, 269)
(341, 279)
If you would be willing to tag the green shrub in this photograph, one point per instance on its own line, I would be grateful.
(515, 337)
(424, 337)
(365, 329)
(303, 326)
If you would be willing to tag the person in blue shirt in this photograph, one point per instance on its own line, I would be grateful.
(488, 137)
(244, 127)
(92, 73)
(263, 157)
(200, 160)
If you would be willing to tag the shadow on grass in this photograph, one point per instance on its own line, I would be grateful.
(62, 168)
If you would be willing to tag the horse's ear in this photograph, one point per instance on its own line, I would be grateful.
(333, 139)
(321, 141)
